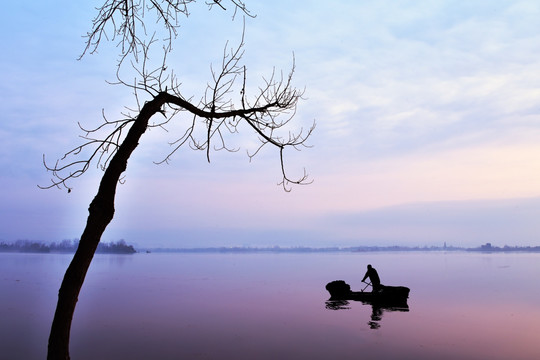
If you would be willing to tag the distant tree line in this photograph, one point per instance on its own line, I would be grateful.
(121, 247)
(487, 247)
(300, 249)
(65, 246)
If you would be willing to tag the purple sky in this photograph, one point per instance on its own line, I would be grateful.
(428, 127)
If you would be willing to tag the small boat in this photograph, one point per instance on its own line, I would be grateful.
(394, 296)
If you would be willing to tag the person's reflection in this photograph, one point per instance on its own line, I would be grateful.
(376, 317)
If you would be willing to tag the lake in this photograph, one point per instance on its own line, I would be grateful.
(274, 306)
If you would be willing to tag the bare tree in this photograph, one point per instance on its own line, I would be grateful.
(224, 107)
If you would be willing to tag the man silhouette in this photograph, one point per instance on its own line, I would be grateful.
(371, 273)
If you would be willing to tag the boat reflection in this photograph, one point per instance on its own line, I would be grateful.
(377, 310)
(337, 305)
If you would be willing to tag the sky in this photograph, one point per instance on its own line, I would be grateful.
(427, 127)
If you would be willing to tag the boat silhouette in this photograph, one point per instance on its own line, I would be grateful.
(390, 297)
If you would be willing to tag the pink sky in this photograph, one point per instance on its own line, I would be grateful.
(414, 104)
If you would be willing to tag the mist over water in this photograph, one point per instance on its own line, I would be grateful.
(268, 306)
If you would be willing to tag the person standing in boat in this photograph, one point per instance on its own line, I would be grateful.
(373, 276)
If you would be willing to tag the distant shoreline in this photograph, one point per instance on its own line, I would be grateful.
(121, 247)
(488, 248)
(64, 247)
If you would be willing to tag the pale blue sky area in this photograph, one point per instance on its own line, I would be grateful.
(428, 127)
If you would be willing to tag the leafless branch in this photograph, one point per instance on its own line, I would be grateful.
(268, 112)
(224, 106)
(127, 23)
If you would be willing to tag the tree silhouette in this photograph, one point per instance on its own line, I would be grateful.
(222, 109)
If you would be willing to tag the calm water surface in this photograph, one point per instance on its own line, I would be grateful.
(273, 306)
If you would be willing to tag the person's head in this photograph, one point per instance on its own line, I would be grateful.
(369, 267)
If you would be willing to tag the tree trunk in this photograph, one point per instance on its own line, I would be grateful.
(101, 212)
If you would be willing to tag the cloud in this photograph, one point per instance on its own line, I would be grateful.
(414, 103)
(465, 223)
(377, 85)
